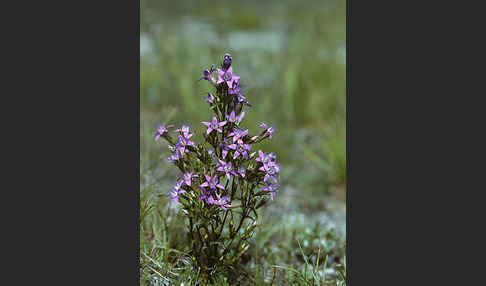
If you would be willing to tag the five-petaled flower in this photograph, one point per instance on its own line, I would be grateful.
(227, 76)
(226, 168)
(161, 131)
(212, 183)
(214, 125)
(238, 134)
(240, 148)
(271, 170)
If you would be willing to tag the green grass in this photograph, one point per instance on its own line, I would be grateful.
(291, 59)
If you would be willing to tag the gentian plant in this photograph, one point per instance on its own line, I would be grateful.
(222, 182)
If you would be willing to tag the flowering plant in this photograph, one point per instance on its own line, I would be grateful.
(221, 186)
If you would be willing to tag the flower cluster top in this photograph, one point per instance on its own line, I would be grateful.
(206, 173)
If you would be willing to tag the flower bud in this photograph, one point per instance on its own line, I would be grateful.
(227, 61)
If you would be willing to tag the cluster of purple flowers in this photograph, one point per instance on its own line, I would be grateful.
(178, 188)
(209, 188)
(228, 138)
(271, 170)
(183, 141)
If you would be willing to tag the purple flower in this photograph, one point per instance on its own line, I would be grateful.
(209, 99)
(174, 196)
(224, 147)
(272, 188)
(227, 59)
(240, 148)
(241, 98)
(184, 130)
(222, 202)
(227, 76)
(183, 143)
(272, 169)
(187, 177)
(235, 88)
(226, 168)
(238, 134)
(208, 199)
(262, 157)
(176, 191)
(212, 183)
(208, 75)
(161, 131)
(233, 118)
(242, 170)
(174, 157)
(214, 125)
(268, 130)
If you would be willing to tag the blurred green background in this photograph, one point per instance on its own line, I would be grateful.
(291, 55)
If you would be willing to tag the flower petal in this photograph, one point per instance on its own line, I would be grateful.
(221, 72)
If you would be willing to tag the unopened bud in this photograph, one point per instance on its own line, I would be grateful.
(227, 59)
